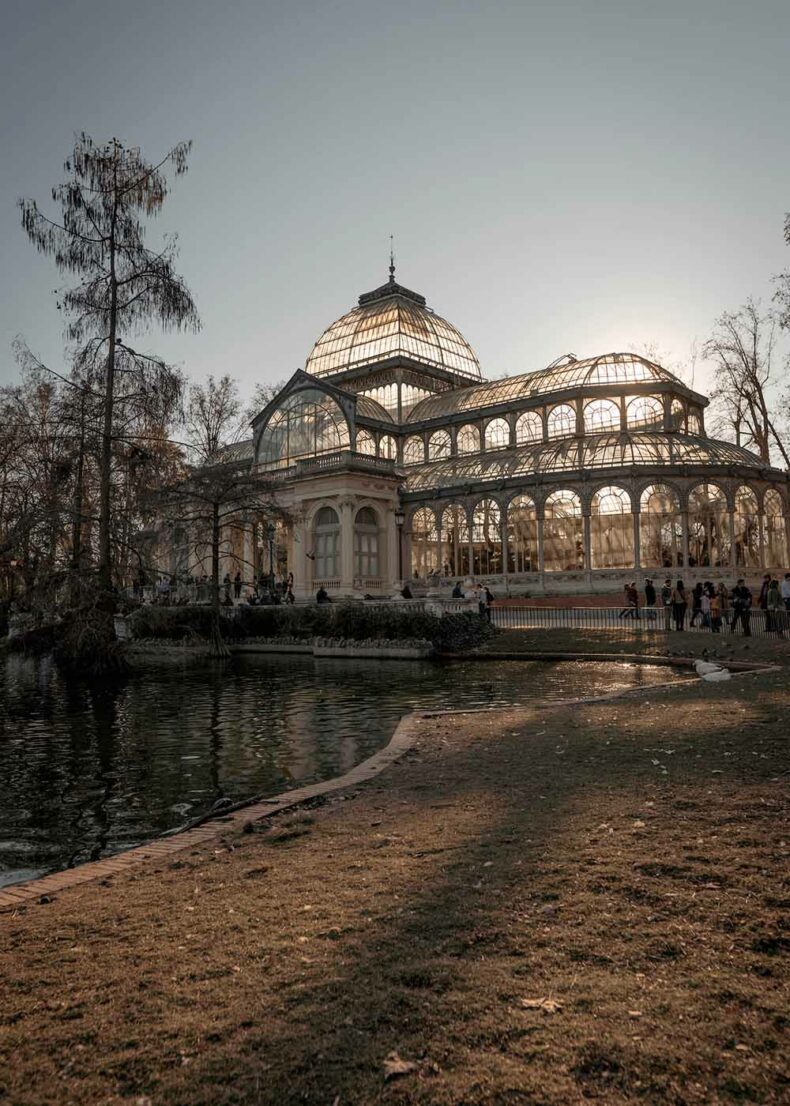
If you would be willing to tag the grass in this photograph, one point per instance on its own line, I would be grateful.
(622, 860)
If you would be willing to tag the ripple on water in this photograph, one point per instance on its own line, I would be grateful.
(86, 770)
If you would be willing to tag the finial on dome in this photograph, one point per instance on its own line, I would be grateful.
(392, 262)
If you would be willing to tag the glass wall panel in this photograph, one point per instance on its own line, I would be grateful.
(497, 434)
(601, 416)
(775, 554)
(746, 529)
(529, 427)
(694, 423)
(455, 541)
(366, 543)
(304, 425)
(611, 529)
(467, 440)
(709, 527)
(522, 535)
(366, 443)
(660, 528)
(413, 451)
(486, 538)
(562, 421)
(326, 544)
(678, 415)
(644, 412)
(563, 532)
(438, 445)
(425, 544)
(388, 447)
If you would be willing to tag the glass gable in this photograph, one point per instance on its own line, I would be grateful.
(306, 424)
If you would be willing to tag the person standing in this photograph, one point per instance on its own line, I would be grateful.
(704, 606)
(742, 608)
(723, 596)
(696, 604)
(237, 585)
(679, 604)
(489, 601)
(632, 600)
(763, 601)
(776, 608)
(666, 601)
(715, 613)
(784, 591)
(650, 594)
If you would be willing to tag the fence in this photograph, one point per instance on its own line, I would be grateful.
(628, 621)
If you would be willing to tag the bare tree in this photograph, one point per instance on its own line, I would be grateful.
(782, 294)
(213, 419)
(122, 284)
(743, 350)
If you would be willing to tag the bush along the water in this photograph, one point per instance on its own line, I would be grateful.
(451, 633)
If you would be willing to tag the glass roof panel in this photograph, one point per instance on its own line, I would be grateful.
(611, 368)
(389, 323)
(574, 454)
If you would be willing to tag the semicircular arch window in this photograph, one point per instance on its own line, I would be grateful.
(455, 541)
(467, 440)
(438, 445)
(746, 529)
(562, 421)
(522, 535)
(388, 447)
(413, 451)
(366, 443)
(601, 416)
(611, 529)
(775, 532)
(425, 545)
(709, 527)
(644, 412)
(563, 532)
(306, 424)
(660, 528)
(326, 544)
(486, 538)
(497, 434)
(529, 428)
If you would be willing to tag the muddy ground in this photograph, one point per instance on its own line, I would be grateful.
(542, 906)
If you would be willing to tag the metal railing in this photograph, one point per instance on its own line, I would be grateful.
(642, 620)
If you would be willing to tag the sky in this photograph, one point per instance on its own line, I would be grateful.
(559, 176)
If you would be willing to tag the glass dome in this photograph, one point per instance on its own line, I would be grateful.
(391, 321)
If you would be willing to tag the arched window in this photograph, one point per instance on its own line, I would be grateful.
(366, 543)
(563, 532)
(388, 447)
(746, 529)
(611, 529)
(522, 535)
(467, 440)
(562, 421)
(425, 546)
(497, 434)
(529, 428)
(306, 424)
(694, 423)
(366, 443)
(601, 416)
(486, 538)
(660, 528)
(438, 445)
(775, 532)
(413, 451)
(643, 412)
(455, 541)
(677, 415)
(326, 544)
(709, 527)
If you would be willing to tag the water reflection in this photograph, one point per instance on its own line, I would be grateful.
(88, 770)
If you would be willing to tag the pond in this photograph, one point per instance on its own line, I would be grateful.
(88, 770)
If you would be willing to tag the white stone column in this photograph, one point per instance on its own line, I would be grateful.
(637, 544)
(587, 543)
(347, 545)
(390, 569)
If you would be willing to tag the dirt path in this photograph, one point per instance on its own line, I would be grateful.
(624, 862)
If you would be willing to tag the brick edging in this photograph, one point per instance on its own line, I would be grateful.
(403, 738)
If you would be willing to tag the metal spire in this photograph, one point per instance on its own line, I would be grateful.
(392, 261)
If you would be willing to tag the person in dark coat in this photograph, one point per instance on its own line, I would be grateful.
(741, 599)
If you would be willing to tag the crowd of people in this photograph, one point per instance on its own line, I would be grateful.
(713, 606)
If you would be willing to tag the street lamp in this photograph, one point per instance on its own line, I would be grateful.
(400, 518)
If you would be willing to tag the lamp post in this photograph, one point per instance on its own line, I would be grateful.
(400, 518)
(270, 532)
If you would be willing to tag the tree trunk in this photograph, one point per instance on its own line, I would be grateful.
(76, 522)
(218, 646)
